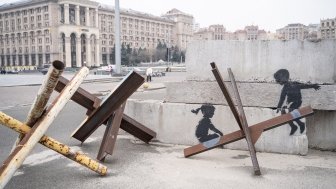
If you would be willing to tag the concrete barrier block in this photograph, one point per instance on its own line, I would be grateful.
(264, 95)
(322, 130)
(176, 124)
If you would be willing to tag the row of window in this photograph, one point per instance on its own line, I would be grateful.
(12, 22)
(125, 38)
(125, 20)
(104, 49)
(147, 34)
(18, 61)
(21, 50)
(327, 24)
(19, 41)
(24, 12)
(327, 31)
(25, 27)
(26, 34)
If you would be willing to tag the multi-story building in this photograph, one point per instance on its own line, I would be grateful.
(313, 32)
(183, 30)
(35, 32)
(138, 30)
(203, 34)
(293, 31)
(213, 32)
(218, 32)
(328, 28)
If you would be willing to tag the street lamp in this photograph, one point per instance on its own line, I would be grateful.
(168, 46)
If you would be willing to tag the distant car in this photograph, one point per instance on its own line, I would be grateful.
(44, 69)
(12, 72)
(108, 68)
(126, 70)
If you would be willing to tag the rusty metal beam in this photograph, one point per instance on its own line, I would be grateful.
(225, 92)
(256, 130)
(53, 144)
(91, 102)
(16, 158)
(243, 120)
(111, 103)
(81, 96)
(111, 133)
(137, 129)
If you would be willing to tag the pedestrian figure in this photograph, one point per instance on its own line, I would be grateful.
(149, 73)
(292, 91)
(205, 124)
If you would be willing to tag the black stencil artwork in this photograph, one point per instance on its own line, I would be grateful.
(205, 124)
(292, 91)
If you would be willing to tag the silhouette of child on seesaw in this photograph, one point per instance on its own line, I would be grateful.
(204, 125)
(291, 90)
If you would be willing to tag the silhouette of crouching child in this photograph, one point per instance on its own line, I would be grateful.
(205, 124)
(292, 91)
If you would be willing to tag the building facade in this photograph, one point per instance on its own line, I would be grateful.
(218, 32)
(328, 28)
(213, 32)
(293, 31)
(80, 32)
(183, 30)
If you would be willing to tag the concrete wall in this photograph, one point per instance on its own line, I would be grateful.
(321, 131)
(253, 64)
(259, 60)
(265, 95)
(176, 124)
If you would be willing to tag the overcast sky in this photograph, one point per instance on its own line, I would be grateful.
(235, 14)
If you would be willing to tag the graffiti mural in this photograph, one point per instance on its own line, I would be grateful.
(205, 125)
(292, 92)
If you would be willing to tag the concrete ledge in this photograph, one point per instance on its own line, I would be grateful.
(322, 130)
(259, 60)
(263, 95)
(176, 124)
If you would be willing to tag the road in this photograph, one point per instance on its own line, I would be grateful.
(138, 165)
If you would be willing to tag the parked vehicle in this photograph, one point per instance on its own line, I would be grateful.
(44, 69)
(12, 72)
(108, 68)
